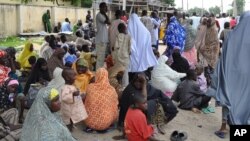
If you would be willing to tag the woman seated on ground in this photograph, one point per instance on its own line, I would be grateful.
(43, 121)
(24, 56)
(115, 78)
(39, 74)
(164, 78)
(84, 76)
(101, 103)
(189, 94)
(180, 64)
(155, 99)
(9, 116)
(56, 60)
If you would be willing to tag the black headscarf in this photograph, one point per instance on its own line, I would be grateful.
(180, 64)
(36, 74)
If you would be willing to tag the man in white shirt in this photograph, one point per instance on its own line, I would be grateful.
(196, 21)
(156, 22)
(101, 39)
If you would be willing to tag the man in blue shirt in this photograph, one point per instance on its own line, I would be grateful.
(66, 26)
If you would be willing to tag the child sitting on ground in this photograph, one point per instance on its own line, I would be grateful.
(72, 107)
(72, 55)
(201, 79)
(28, 66)
(136, 126)
(189, 95)
(88, 56)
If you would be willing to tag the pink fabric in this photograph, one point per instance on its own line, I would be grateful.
(13, 82)
(191, 57)
(169, 94)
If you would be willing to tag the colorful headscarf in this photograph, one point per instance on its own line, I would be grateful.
(25, 54)
(53, 94)
(101, 94)
(82, 80)
(175, 36)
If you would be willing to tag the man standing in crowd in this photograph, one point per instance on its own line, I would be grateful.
(46, 21)
(102, 20)
(196, 21)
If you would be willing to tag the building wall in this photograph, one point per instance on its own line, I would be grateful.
(22, 18)
(38, 2)
(8, 16)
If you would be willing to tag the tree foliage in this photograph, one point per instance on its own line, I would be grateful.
(197, 10)
(215, 10)
(240, 7)
(170, 2)
(83, 3)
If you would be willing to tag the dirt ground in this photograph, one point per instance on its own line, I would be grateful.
(199, 127)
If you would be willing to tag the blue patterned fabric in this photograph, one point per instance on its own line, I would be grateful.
(175, 36)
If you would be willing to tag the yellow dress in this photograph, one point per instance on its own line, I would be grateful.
(162, 32)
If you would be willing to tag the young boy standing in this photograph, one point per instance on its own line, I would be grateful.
(72, 107)
(122, 50)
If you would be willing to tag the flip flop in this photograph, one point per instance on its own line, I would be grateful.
(220, 134)
(211, 109)
(205, 110)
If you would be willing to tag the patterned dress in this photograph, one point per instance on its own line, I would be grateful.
(175, 36)
(101, 102)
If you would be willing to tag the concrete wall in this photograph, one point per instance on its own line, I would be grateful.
(8, 20)
(20, 18)
(38, 2)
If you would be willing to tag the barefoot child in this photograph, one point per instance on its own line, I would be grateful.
(136, 126)
(72, 108)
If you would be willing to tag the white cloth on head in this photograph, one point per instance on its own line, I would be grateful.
(164, 78)
(58, 81)
(142, 56)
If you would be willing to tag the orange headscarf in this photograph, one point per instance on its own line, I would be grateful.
(82, 80)
(101, 102)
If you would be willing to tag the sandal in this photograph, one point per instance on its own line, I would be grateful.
(88, 130)
(211, 109)
(220, 134)
(205, 110)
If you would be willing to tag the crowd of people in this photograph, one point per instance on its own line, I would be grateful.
(120, 77)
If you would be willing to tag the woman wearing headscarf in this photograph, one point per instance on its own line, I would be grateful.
(43, 121)
(4, 70)
(175, 36)
(200, 40)
(231, 79)
(115, 78)
(39, 74)
(142, 55)
(9, 129)
(211, 48)
(180, 64)
(155, 100)
(84, 76)
(189, 50)
(58, 81)
(56, 60)
(26, 53)
(101, 102)
(164, 78)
